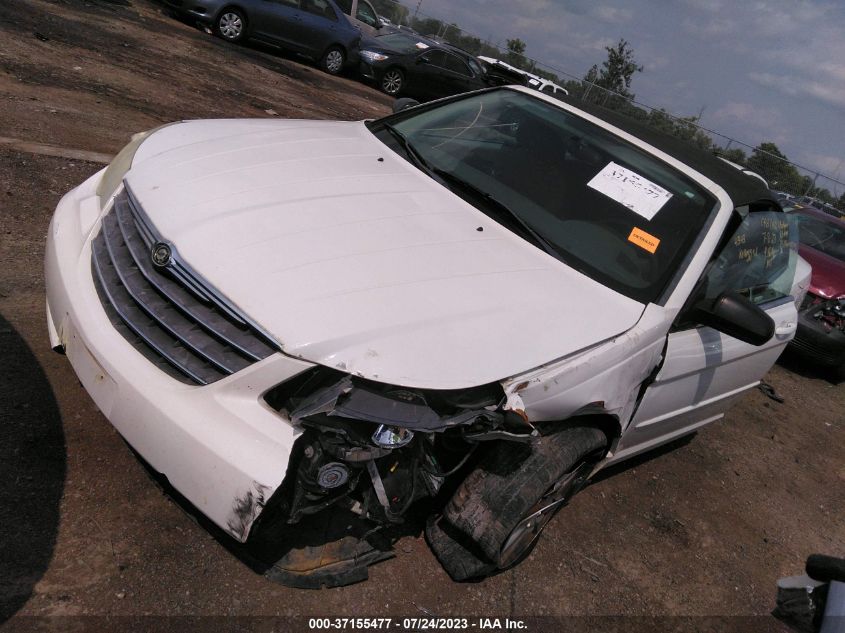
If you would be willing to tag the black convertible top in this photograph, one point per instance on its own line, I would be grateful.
(742, 189)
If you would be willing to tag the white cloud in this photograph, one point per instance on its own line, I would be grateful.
(747, 114)
(822, 86)
(830, 165)
(612, 14)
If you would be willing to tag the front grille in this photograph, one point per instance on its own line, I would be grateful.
(169, 315)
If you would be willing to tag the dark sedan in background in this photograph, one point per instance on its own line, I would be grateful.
(315, 28)
(821, 318)
(419, 67)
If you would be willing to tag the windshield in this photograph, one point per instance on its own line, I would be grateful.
(605, 207)
(824, 236)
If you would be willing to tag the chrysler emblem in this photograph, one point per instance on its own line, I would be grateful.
(162, 255)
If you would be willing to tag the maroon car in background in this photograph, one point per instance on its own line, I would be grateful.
(821, 318)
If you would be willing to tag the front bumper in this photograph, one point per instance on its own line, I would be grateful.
(190, 7)
(219, 445)
(367, 71)
(815, 343)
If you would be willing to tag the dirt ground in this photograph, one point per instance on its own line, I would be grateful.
(704, 528)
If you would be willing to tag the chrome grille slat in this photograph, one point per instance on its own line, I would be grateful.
(161, 314)
(123, 308)
(204, 315)
(157, 309)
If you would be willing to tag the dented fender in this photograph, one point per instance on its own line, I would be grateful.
(603, 379)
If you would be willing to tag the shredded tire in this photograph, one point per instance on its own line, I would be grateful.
(508, 481)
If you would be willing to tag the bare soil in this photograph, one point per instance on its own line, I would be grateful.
(704, 527)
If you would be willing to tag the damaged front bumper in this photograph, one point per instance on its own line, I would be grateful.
(219, 445)
(821, 331)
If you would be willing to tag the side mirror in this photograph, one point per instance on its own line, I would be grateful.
(736, 316)
(422, 59)
(404, 103)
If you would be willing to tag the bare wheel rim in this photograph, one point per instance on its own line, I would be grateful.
(334, 60)
(391, 82)
(231, 25)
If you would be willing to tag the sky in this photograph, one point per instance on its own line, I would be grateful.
(757, 70)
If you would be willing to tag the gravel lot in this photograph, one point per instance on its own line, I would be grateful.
(705, 528)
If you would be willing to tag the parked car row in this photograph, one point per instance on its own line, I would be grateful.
(821, 317)
(349, 34)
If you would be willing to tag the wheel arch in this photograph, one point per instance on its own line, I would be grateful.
(607, 423)
(237, 7)
(343, 48)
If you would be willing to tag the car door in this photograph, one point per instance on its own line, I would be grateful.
(278, 21)
(705, 370)
(457, 76)
(319, 26)
(425, 75)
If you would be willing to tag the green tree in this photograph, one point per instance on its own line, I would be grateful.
(768, 161)
(516, 53)
(617, 71)
(735, 155)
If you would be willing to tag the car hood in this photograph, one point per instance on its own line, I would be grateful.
(828, 278)
(354, 259)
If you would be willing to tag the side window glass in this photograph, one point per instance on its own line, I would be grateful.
(319, 7)
(455, 64)
(345, 6)
(366, 14)
(436, 58)
(293, 4)
(759, 260)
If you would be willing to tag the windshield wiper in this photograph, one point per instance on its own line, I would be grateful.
(450, 180)
(410, 150)
(499, 208)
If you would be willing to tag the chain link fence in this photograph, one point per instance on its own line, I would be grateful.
(799, 183)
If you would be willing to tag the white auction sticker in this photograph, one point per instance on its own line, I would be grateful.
(630, 189)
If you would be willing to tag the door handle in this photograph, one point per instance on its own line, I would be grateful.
(784, 329)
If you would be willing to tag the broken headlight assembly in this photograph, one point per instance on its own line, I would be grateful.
(374, 457)
(829, 313)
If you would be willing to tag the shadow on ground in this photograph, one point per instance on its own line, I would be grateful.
(798, 364)
(32, 471)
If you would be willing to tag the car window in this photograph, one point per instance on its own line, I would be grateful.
(288, 3)
(436, 58)
(475, 67)
(366, 14)
(345, 6)
(319, 7)
(758, 261)
(457, 65)
(607, 208)
(827, 237)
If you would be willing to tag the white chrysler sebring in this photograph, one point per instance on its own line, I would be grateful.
(328, 334)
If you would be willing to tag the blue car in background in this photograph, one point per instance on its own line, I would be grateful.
(315, 28)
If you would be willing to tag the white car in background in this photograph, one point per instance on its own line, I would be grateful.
(321, 331)
(362, 15)
(531, 80)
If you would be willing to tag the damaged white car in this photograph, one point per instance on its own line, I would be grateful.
(327, 335)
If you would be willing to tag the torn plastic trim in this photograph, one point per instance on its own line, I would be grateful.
(346, 399)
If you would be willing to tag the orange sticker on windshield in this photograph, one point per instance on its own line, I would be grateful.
(644, 240)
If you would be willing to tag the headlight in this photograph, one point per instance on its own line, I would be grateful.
(372, 56)
(117, 169)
